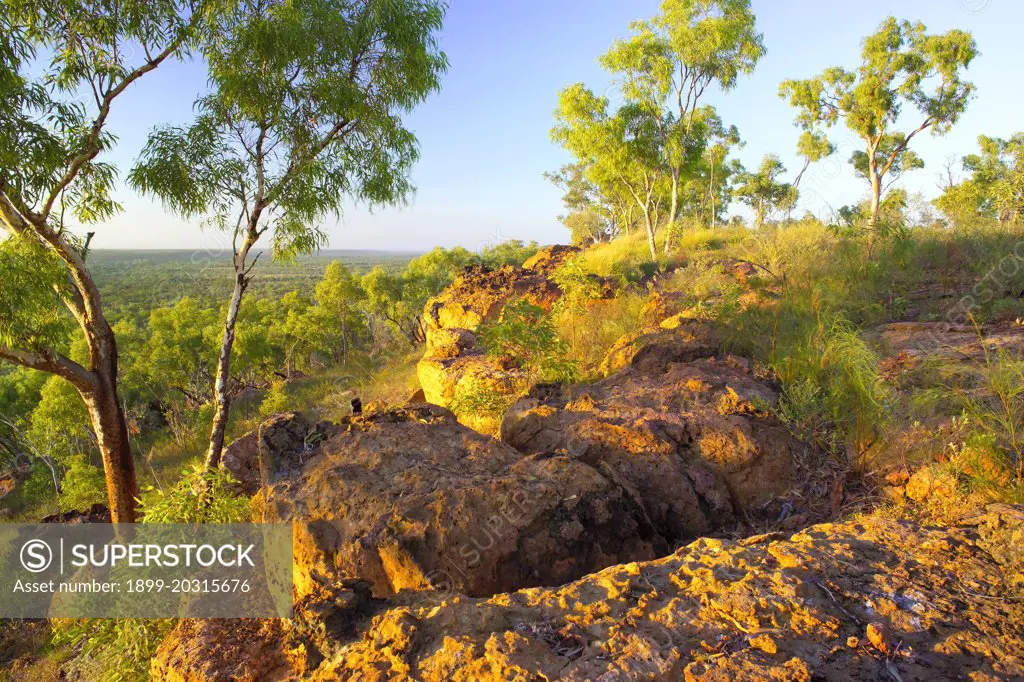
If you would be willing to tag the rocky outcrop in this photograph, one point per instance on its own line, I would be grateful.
(688, 433)
(964, 343)
(550, 258)
(875, 599)
(454, 367)
(411, 499)
(285, 440)
(97, 513)
(679, 340)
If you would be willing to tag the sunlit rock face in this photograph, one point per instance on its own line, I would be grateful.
(410, 499)
(865, 600)
(453, 363)
(689, 432)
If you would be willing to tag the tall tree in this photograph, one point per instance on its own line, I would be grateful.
(592, 216)
(715, 169)
(53, 130)
(304, 113)
(619, 150)
(900, 64)
(339, 294)
(672, 59)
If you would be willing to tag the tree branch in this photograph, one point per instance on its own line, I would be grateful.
(51, 362)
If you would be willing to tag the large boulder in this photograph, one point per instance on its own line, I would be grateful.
(690, 434)
(276, 447)
(872, 599)
(454, 371)
(411, 499)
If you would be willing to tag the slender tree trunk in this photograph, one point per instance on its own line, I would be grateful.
(711, 192)
(220, 386)
(674, 205)
(876, 202)
(650, 234)
(672, 211)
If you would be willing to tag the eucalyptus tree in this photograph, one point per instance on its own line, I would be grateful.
(901, 64)
(63, 66)
(669, 63)
(717, 169)
(998, 172)
(619, 149)
(763, 192)
(304, 113)
(812, 147)
(592, 217)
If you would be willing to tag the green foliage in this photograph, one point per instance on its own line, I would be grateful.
(996, 186)
(900, 64)
(507, 252)
(31, 313)
(285, 130)
(655, 143)
(525, 336)
(997, 410)
(59, 424)
(202, 496)
(829, 372)
(485, 401)
(276, 399)
(82, 485)
(50, 136)
(763, 192)
(119, 649)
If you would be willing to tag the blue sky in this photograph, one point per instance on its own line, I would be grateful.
(485, 137)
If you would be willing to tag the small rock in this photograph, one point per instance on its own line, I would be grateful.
(878, 635)
(926, 484)
(765, 644)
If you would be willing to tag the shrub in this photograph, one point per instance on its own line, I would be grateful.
(82, 484)
(525, 336)
(120, 648)
(276, 399)
(202, 496)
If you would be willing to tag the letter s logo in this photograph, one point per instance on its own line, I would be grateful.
(36, 556)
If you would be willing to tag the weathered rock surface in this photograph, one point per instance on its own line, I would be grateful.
(688, 433)
(875, 599)
(411, 499)
(285, 440)
(550, 258)
(453, 365)
(951, 342)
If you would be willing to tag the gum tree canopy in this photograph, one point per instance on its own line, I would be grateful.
(900, 64)
(63, 65)
(652, 144)
(305, 113)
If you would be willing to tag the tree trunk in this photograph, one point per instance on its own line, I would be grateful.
(711, 192)
(876, 198)
(650, 235)
(673, 210)
(674, 205)
(111, 428)
(220, 387)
